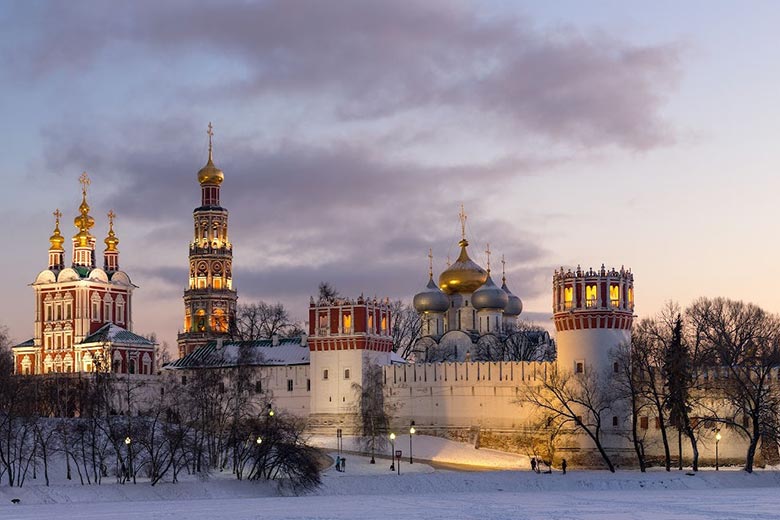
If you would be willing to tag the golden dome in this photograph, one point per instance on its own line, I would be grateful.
(56, 239)
(111, 240)
(463, 276)
(84, 221)
(210, 174)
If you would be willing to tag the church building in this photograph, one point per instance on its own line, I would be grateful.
(83, 313)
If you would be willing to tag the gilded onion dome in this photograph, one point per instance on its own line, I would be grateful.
(514, 305)
(210, 174)
(56, 239)
(84, 221)
(489, 296)
(464, 275)
(111, 240)
(431, 299)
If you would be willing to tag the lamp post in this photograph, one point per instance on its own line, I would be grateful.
(128, 443)
(717, 441)
(392, 452)
(411, 434)
(338, 441)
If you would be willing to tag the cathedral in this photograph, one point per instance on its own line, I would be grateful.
(83, 313)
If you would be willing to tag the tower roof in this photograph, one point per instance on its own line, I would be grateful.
(210, 174)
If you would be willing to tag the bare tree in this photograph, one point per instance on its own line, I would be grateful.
(743, 342)
(373, 412)
(630, 389)
(575, 402)
(262, 320)
(326, 293)
(405, 327)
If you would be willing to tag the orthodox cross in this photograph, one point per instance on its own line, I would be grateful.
(111, 216)
(463, 217)
(57, 214)
(84, 180)
(503, 269)
(430, 262)
(210, 133)
(487, 252)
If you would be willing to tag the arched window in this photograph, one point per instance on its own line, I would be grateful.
(568, 297)
(614, 295)
(591, 295)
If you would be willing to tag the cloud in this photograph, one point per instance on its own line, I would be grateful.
(369, 60)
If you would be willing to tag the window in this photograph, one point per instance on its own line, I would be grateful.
(614, 421)
(95, 309)
(643, 422)
(590, 296)
(131, 366)
(107, 311)
(258, 386)
(579, 367)
(614, 295)
(308, 385)
(568, 297)
(289, 385)
(347, 323)
(120, 312)
(325, 374)
(346, 373)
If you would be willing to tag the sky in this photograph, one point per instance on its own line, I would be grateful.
(350, 132)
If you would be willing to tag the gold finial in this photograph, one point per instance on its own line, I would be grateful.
(487, 252)
(56, 239)
(111, 240)
(430, 262)
(210, 133)
(463, 217)
(503, 269)
(84, 180)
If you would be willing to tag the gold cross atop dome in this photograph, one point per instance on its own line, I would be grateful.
(57, 214)
(503, 269)
(84, 180)
(111, 216)
(462, 215)
(210, 133)
(487, 252)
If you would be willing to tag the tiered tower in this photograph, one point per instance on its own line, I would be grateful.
(593, 312)
(345, 337)
(209, 300)
(83, 314)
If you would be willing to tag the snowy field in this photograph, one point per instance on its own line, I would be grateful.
(366, 491)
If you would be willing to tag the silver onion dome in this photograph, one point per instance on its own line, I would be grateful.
(432, 299)
(489, 296)
(515, 305)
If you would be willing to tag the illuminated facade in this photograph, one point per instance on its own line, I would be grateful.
(209, 300)
(83, 314)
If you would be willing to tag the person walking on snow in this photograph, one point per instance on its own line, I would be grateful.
(563, 466)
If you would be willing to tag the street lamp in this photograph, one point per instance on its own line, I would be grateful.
(259, 440)
(717, 441)
(392, 452)
(338, 441)
(411, 433)
(128, 440)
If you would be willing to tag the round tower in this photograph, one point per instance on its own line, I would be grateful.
(593, 312)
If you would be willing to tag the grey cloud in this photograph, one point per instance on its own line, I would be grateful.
(371, 59)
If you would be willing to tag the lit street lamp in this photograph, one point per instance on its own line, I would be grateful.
(392, 452)
(717, 441)
(259, 440)
(411, 434)
(128, 442)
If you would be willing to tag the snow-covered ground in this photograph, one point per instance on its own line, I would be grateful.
(372, 491)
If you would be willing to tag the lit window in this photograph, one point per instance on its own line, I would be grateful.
(590, 296)
(568, 297)
(347, 322)
(614, 295)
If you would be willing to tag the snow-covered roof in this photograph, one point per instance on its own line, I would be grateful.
(110, 333)
(290, 351)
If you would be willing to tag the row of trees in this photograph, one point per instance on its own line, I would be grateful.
(712, 366)
(102, 425)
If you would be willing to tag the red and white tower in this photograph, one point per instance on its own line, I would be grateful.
(83, 314)
(593, 312)
(209, 300)
(345, 336)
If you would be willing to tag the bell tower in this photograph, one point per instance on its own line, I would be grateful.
(209, 300)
